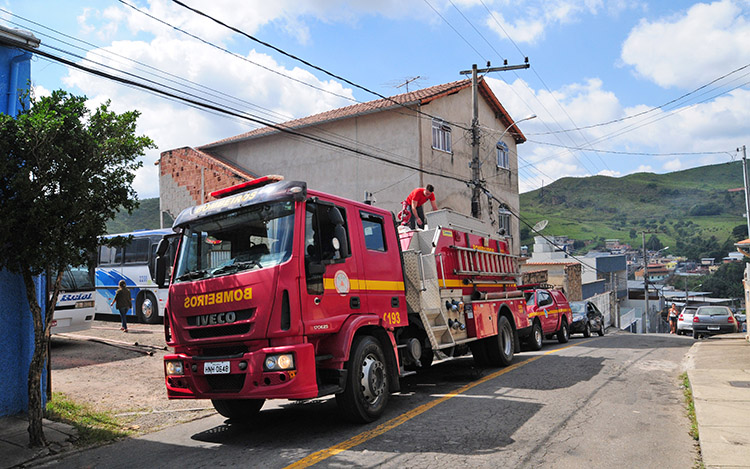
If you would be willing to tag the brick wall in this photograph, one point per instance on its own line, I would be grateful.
(573, 287)
(187, 176)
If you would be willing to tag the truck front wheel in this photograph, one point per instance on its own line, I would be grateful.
(238, 409)
(536, 338)
(367, 388)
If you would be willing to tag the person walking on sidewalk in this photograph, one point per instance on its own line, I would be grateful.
(414, 203)
(673, 313)
(122, 298)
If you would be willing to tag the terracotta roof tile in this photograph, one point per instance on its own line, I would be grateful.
(422, 96)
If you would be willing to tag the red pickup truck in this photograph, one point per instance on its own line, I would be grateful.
(549, 312)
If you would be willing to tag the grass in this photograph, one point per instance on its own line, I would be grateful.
(93, 427)
(690, 407)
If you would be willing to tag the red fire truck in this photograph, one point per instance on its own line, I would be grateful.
(280, 292)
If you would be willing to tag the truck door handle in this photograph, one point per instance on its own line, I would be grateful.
(354, 302)
(316, 300)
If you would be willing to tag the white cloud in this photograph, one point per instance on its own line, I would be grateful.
(691, 48)
(171, 125)
(645, 142)
(673, 165)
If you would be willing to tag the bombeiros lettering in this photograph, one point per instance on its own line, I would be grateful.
(217, 298)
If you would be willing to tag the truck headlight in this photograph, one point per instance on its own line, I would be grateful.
(279, 362)
(174, 367)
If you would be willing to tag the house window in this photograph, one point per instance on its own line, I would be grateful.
(441, 136)
(503, 161)
(503, 220)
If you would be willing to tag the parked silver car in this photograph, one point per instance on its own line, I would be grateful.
(711, 320)
(685, 320)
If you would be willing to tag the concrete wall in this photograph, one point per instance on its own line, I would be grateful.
(398, 135)
(16, 327)
(16, 343)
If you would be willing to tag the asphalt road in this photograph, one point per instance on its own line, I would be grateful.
(612, 401)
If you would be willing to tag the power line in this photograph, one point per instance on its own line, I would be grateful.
(305, 62)
(237, 114)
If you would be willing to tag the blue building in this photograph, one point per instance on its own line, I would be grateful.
(17, 329)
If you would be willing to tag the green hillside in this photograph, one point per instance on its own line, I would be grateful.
(686, 207)
(145, 217)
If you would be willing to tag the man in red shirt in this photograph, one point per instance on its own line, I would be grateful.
(414, 203)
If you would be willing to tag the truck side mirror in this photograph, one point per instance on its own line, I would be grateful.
(161, 262)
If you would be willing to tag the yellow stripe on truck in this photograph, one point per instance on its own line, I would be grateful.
(371, 285)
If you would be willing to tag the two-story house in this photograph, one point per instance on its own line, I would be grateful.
(377, 150)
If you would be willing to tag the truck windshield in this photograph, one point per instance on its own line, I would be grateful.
(255, 238)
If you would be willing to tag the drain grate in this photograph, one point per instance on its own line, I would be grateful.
(740, 384)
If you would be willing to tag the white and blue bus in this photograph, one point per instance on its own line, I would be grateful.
(74, 308)
(134, 263)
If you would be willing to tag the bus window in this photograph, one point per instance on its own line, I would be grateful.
(137, 251)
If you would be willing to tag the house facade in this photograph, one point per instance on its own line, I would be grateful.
(378, 151)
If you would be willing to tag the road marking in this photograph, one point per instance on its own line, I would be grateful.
(356, 440)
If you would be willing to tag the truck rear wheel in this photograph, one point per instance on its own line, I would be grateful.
(479, 352)
(500, 348)
(238, 409)
(367, 388)
(536, 337)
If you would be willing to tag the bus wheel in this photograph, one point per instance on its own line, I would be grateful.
(148, 309)
(238, 409)
(366, 392)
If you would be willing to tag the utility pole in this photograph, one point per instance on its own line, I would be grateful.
(747, 196)
(476, 209)
(645, 275)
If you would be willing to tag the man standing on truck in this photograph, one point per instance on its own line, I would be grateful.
(414, 203)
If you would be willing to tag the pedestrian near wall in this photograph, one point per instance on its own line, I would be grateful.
(673, 313)
(123, 301)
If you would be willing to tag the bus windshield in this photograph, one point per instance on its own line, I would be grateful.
(255, 238)
(77, 279)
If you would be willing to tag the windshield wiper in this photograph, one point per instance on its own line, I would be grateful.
(236, 267)
(192, 275)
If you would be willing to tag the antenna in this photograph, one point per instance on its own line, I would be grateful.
(408, 80)
(540, 226)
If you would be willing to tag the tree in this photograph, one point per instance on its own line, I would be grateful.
(739, 232)
(653, 243)
(63, 175)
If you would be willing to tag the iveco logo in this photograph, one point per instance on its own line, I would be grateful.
(216, 318)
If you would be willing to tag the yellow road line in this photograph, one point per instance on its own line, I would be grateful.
(356, 440)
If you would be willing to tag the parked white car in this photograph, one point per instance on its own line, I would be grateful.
(685, 320)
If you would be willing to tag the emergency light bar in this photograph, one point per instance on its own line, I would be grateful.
(252, 184)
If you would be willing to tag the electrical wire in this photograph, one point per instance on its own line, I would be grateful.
(238, 114)
(305, 62)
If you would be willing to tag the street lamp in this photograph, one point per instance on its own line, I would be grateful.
(527, 118)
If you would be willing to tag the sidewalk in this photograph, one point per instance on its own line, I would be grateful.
(14, 440)
(719, 373)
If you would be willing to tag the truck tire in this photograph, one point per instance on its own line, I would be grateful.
(479, 352)
(147, 309)
(367, 388)
(536, 337)
(563, 334)
(500, 348)
(238, 409)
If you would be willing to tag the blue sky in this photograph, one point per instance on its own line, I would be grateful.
(598, 69)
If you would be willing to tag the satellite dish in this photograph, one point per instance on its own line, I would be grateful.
(540, 226)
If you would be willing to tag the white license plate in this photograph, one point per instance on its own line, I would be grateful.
(713, 328)
(216, 368)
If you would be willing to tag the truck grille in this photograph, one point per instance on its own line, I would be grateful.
(220, 331)
(226, 383)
